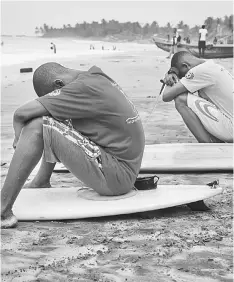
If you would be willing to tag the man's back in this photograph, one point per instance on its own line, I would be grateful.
(221, 93)
(117, 121)
(100, 110)
(203, 33)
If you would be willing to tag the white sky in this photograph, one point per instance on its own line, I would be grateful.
(21, 17)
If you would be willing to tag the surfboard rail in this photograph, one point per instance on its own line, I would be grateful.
(70, 203)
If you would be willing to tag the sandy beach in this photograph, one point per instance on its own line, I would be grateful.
(167, 245)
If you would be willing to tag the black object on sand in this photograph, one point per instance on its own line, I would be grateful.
(147, 182)
(26, 70)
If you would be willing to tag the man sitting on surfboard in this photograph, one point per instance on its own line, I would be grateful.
(82, 119)
(203, 97)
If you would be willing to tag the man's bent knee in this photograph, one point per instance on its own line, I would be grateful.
(34, 126)
(181, 101)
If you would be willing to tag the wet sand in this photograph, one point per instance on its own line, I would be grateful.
(167, 245)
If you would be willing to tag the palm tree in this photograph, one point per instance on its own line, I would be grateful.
(180, 25)
(209, 22)
(169, 27)
(154, 27)
(46, 28)
(145, 30)
(230, 23)
(37, 30)
(42, 30)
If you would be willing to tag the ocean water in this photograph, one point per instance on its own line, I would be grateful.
(20, 50)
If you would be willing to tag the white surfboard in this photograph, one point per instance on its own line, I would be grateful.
(77, 203)
(188, 157)
(181, 157)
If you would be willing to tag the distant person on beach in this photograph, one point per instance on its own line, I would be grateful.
(202, 41)
(82, 119)
(53, 47)
(173, 49)
(203, 95)
(188, 40)
(215, 40)
(178, 41)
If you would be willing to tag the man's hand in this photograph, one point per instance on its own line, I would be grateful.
(170, 79)
(15, 142)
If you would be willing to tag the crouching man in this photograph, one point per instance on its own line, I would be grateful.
(203, 95)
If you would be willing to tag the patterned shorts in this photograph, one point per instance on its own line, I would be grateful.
(215, 121)
(65, 128)
(91, 164)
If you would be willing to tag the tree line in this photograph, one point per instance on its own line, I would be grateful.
(134, 30)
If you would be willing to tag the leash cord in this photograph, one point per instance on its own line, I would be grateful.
(156, 102)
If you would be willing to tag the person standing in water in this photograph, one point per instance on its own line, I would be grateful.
(53, 47)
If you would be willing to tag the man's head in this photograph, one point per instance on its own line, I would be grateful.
(203, 26)
(51, 76)
(183, 61)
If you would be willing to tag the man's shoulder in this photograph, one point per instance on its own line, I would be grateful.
(205, 65)
(205, 68)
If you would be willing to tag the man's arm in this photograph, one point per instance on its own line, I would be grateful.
(25, 113)
(170, 93)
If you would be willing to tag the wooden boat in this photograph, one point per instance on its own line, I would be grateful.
(211, 52)
(164, 45)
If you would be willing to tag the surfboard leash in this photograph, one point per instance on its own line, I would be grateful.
(156, 102)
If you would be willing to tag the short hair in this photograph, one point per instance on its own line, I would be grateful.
(44, 76)
(203, 26)
(177, 58)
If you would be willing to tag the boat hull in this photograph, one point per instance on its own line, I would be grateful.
(211, 52)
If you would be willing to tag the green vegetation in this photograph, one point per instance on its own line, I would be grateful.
(133, 30)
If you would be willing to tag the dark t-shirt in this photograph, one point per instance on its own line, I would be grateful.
(100, 110)
(178, 39)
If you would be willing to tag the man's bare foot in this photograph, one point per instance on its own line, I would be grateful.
(8, 221)
(32, 184)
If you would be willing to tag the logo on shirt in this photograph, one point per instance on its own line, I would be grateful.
(56, 92)
(136, 117)
(203, 107)
(189, 75)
